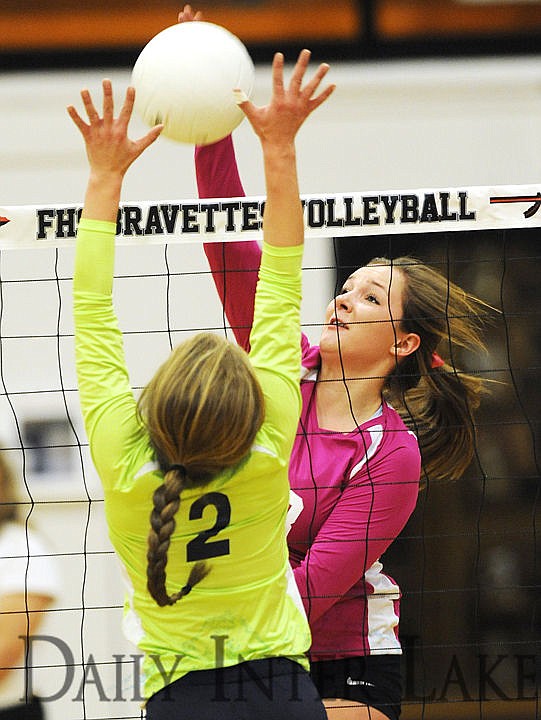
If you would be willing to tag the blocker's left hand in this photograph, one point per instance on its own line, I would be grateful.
(108, 147)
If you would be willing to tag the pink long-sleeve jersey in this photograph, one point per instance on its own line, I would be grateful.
(357, 489)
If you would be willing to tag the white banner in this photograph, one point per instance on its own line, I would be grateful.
(341, 215)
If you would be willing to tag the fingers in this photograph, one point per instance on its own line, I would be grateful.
(320, 99)
(300, 69)
(90, 109)
(244, 103)
(108, 123)
(79, 122)
(108, 103)
(281, 118)
(312, 85)
(278, 73)
(188, 15)
(108, 106)
(248, 108)
(152, 135)
(127, 107)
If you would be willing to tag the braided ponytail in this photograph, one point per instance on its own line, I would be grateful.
(162, 521)
(203, 408)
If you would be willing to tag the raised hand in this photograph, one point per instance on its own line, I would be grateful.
(109, 150)
(279, 121)
(188, 15)
(108, 147)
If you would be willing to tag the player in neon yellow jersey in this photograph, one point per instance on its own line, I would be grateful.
(195, 474)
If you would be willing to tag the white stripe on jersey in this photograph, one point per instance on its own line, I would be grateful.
(376, 436)
(382, 618)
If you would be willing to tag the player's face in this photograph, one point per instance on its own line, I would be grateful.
(362, 323)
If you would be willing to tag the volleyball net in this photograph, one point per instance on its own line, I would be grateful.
(467, 562)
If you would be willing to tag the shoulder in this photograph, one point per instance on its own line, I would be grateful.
(401, 448)
(401, 443)
(396, 425)
(386, 447)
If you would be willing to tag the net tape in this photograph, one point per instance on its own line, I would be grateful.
(337, 215)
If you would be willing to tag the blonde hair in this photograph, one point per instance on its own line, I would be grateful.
(202, 410)
(437, 402)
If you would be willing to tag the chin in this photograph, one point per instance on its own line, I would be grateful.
(330, 349)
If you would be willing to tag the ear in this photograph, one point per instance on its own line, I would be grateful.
(406, 345)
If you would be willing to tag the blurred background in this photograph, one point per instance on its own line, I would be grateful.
(430, 93)
(59, 30)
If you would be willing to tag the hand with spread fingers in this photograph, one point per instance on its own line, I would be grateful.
(279, 121)
(109, 150)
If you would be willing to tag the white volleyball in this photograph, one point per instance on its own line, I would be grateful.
(185, 76)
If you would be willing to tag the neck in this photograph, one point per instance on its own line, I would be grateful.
(342, 405)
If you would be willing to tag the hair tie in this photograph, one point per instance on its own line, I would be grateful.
(437, 361)
(186, 589)
(178, 467)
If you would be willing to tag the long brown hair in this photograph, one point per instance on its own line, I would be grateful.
(437, 401)
(202, 410)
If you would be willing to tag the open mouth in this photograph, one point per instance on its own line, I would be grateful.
(335, 322)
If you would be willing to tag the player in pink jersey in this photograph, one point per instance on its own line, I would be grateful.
(356, 468)
(356, 463)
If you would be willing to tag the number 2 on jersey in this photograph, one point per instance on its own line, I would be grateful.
(201, 547)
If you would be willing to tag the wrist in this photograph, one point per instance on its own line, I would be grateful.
(106, 179)
(278, 150)
(102, 195)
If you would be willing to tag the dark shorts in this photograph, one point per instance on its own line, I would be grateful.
(270, 689)
(374, 680)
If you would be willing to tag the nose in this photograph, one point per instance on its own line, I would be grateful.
(343, 301)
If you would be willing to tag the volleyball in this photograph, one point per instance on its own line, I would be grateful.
(184, 78)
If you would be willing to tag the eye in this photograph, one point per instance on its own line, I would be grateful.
(372, 298)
